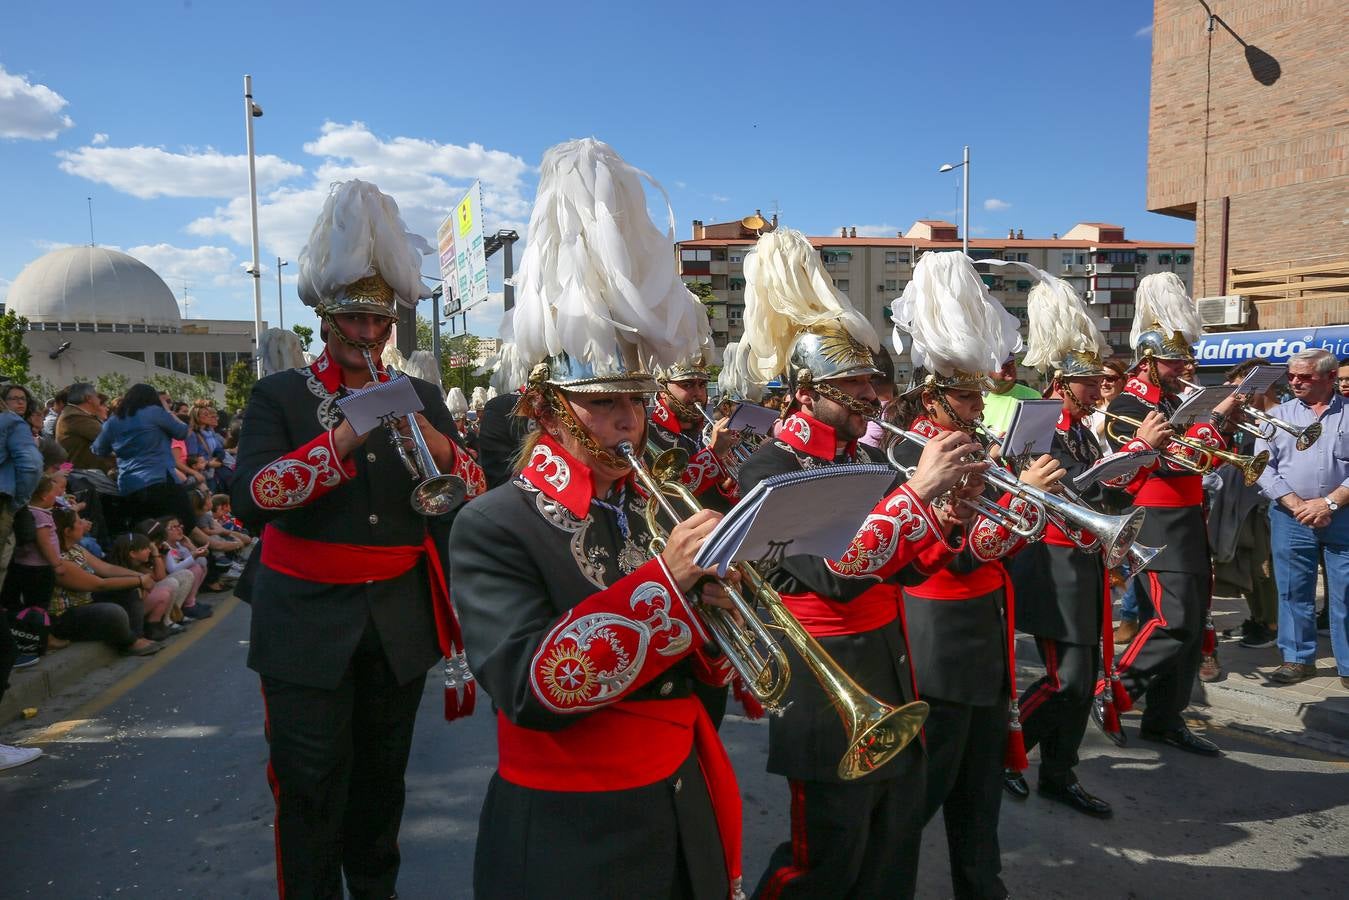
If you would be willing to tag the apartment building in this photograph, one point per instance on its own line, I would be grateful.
(1096, 258)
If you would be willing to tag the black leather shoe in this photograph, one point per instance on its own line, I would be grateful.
(1182, 739)
(1015, 784)
(1075, 796)
(1118, 738)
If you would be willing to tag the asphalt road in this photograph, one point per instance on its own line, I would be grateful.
(153, 786)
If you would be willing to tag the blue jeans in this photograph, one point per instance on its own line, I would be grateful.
(1128, 604)
(1297, 550)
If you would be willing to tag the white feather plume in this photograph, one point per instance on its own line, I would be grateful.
(479, 398)
(1059, 322)
(952, 320)
(393, 358)
(422, 364)
(281, 350)
(456, 403)
(1161, 300)
(787, 291)
(491, 392)
(360, 232)
(597, 279)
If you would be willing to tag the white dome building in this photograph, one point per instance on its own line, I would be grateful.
(117, 315)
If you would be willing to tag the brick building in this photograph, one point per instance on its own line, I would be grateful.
(1249, 138)
(1096, 258)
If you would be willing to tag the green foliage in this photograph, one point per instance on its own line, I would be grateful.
(239, 384)
(112, 384)
(459, 346)
(180, 387)
(14, 355)
(40, 387)
(702, 290)
(305, 333)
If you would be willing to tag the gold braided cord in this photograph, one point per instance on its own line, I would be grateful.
(684, 412)
(852, 404)
(561, 408)
(327, 316)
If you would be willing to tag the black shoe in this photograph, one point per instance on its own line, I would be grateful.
(1182, 739)
(1075, 796)
(156, 631)
(1118, 738)
(1015, 784)
(198, 610)
(1323, 620)
(1243, 631)
(1258, 636)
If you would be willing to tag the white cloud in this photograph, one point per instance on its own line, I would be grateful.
(721, 198)
(198, 266)
(98, 140)
(149, 172)
(1145, 31)
(877, 230)
(426, 178)
(993, 204)
(30, 111)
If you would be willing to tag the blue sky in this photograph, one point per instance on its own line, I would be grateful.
(835, 114)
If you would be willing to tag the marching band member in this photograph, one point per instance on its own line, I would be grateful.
(676, 421)
(1063, 598)
(961, 619)
(857, 838)
(457, 404)
(349, 600)
(611, 780)
(1162, 660)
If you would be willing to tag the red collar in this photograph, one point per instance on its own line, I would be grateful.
(330, 375)
(927, 428)
(809, 435)
(1065, 422)
(560, 476)
(665, 417)
(1146, 391)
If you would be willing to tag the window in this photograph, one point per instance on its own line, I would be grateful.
(162, 359)
(1164, 259)
(735, 284)
(137, 355)
(695, 255)
(737, 255)
(1022, 287)
(904, 257)
(1141, 257)
(843, 284)
(1014, 257)
(891, 257)
(891, 284)
(215, 367)
(1182, 259)
(1068, 258)
(719, 255)
(735, 315)
(1118, 257)
(1114, 282)
(179, 362)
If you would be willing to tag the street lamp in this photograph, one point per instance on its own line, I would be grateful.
(253, 111)
(280, 313)
(965, 221)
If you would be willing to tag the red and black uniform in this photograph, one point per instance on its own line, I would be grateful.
(611, 780)
(960, 621)
(349, 612)
(1063, 600)
(1163, 658)
(849, 838)
(705, 475)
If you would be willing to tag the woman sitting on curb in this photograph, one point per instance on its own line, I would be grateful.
(116, 615)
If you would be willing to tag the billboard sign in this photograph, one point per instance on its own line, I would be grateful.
(463, 256)
(1275, 345)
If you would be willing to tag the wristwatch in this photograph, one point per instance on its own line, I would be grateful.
(1331, 504)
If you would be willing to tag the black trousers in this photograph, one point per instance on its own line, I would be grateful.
(1055, 709)
(28, 586)
(336, 773)
(1162, 660)
(965, 747)
(851, 839)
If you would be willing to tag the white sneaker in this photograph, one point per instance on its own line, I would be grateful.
(17, 756)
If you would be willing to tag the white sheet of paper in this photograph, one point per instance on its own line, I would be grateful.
(1031, 430)
(1200, 405)
(1114, 465)
(370, 407)
(1260, 379)
(758, 419)
(815, 512)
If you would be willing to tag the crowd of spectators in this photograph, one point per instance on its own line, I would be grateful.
(115, 519)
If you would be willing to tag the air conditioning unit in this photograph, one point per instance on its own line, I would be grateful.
(1091, 296)
(1229, 310)
(1091, 268)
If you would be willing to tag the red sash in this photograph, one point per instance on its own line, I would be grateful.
(947, 585)
(328, 563)
(822, 617)
(1183, 490)
(626, 745)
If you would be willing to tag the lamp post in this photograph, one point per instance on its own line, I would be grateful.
(280, 313)
(253, 111)
(965, 220)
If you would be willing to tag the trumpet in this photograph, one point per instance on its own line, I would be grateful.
(1116, 534)
(435, 492)
(876, 731)
(1271, 425)
(739, 454)
(1209, 459)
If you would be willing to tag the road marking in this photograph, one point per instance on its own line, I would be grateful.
(1285, 747)
(86, 712)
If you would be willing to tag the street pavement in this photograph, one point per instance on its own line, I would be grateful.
(153, 786)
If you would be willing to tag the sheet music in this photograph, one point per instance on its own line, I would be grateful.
(1200, 405)
(1260, 379)
(371, 407)
(758, 419)
(1114, 465)
(1031, 431)
(814, 511)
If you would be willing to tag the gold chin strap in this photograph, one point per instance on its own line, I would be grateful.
(853, 404)
(333, 328)
(1067, 391)
(684, 412)
(562, 409)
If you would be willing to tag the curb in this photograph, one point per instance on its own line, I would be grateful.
(35, 685)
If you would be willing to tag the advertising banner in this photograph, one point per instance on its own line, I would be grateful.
(1274, 345)
(463, 257)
